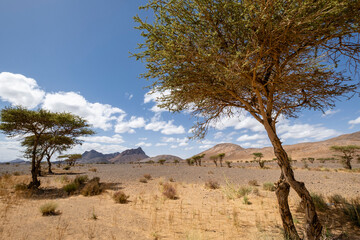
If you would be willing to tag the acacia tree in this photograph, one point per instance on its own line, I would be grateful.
(348, 153)
(41, 129)
(257, 157)
(269, 58)
(214, 158)
(221, 157)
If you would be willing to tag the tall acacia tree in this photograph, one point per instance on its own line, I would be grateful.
(271, 58)
(42, 129)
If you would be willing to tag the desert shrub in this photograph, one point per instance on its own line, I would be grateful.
(268, 186)
(171, 179)
(64, 179)
(256, 191)
(352, 210)
(71, 187)
(190, 161)
(120, 197)
(143, 180)
(66, 167)
(48, 209)
(162, 161)
(16, 174)
(319, 202)
(150, 161)
(253, 183)
(176, 161)
(80, 180)
(169, 191)
(243, 191)
(311, 159)
(212, 184)
(336, 199)
(228, 163)
(93, 169)
(246, 200)
(147, 176)
(20, 187)
(92, 188)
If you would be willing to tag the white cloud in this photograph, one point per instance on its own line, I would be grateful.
(143, 144)
(10, 150)
(329, 112)
(246, 137)
(20, 90)
(155, 97)
(298, 131)
(181, 141)
(104, 139)
(97, 114)
(164, 127)
(134, 122)
(103, 148)
(238, 121)
(161, 144)
(355, 121)
(205, 146)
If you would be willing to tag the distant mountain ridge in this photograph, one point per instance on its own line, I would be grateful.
(297, 151)
(129, 155)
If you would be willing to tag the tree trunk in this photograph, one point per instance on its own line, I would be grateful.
(282, 193)
(313, 227)
(49, 164)
(35, 183)
(347, 163)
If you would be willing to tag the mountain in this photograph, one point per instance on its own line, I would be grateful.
(298, 151)
(168, 158)
(130, 155)
(18, 161)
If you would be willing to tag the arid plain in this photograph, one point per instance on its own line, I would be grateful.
(240, 208)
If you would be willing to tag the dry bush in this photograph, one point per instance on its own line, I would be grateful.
(21, 187)
(66, 167)
(71, 188)
(171, 179)
(120, 197)
(169, 191)
(80, 180)
(143, 180)
(147, 176)
(212, 184)
(352, 210)
(253, 183)
(268, 186)
(49, 209)
(92, 188)
(92, 170)
(336, 199)
(243, 191)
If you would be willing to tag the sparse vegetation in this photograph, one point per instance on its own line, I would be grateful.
(253, 183)
(228, 163)
(147, 176)
(268, 186)
(71, 187)
(169, 191)
(319, 202)
(92, 187)
(92, 170)
(352, 210)
(143, 180)
(120, 197)
(49, 209)
(212, 184)
(257, 157)
(348, 153)
(336, 199)
(162, 161)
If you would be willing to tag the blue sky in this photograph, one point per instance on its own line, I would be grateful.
(74, 56)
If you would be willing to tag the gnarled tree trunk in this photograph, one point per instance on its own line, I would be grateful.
(49, 165)
(313, 226)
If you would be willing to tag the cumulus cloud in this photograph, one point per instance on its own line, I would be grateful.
(246, 137)
(355, 121)
(97, 114)
(20, 90)
(181, 141)
(10, 150)
(104, 139)
(164, 127)
(128, 126)
(154, 97)
(161, 144)
(329, 112)
(240, 121)
(143, 144)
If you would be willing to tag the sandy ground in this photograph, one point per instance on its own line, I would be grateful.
(197, 213)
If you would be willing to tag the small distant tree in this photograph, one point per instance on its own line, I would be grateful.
(221, 157)
(214, 159)
(197, 159)
(257, 157)
(162, 161)
(70, 159)
(37, 128)
(348, 153)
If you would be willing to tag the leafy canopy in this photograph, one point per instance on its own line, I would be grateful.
(270, 58)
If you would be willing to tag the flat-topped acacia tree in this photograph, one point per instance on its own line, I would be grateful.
(269, 58)
(41, 131)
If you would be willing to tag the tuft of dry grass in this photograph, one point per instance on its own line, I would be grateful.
(120, 197)
(253, 183)
(143, 180)
(92, 169)
(92, 188)
(147, 176)
(49, 209)
(169, 191)
(212, 184)
(268, 186)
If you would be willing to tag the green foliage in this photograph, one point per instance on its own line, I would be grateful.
(348, 153)
(162, 161)
(48, 209)
(268, 186)
(80, 180)
(336, 199)
(71, 187)
(352, 210)
(120, 197)
(20, 187)
(228, 163)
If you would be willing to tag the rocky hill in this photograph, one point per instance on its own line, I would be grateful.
(297, 151)
(129, 155)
